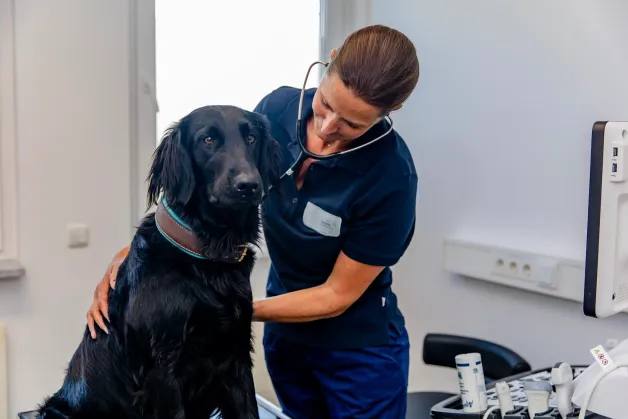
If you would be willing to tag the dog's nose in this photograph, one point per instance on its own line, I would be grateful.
(246, 184)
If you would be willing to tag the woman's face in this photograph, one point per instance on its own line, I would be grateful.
(339, 115)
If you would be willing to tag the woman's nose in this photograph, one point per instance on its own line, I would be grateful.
(329, 125)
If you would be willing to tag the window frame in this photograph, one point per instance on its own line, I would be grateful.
(10, 266)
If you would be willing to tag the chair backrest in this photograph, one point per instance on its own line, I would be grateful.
(498, 361)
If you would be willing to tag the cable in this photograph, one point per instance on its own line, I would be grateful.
(489, 411)
(583, 408)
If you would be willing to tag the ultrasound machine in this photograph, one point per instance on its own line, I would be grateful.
(598, 390)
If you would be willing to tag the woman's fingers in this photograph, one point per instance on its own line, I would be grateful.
(100, 321)
(98, 308)
(100, 305)
(94, 316)
(103, 305)
(90, 324)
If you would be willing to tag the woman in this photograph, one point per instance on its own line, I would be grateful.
(335, 341)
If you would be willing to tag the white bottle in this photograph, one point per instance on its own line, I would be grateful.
(472, 383)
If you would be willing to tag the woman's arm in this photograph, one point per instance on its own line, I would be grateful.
(347, 282)
(378, 237)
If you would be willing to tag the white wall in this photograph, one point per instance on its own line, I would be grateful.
(500, 128)
(499, 100)
(74, 149)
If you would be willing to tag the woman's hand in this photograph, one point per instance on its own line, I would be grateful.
(100, 305)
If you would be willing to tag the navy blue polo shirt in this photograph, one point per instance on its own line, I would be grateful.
(362, 203)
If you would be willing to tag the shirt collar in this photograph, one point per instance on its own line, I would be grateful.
(359, 161)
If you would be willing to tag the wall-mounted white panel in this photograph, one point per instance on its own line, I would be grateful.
(536, 272)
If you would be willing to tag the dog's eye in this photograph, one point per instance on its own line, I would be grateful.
(251, 139)
(209, 141)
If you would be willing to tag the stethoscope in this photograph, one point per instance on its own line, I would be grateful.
(301, 143)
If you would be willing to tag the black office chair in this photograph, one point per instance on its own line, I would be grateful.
(441, 350)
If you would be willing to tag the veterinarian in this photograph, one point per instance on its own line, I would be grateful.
(335, 340)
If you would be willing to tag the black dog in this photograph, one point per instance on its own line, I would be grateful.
(179, 342)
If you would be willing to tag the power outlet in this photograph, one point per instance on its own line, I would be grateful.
(512, 266)
(499, 266)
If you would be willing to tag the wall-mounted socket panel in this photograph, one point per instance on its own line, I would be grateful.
(555, 276)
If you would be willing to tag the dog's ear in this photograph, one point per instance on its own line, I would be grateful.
(270, 157)
(171, 170)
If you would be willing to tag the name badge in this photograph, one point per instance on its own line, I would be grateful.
(321, 221)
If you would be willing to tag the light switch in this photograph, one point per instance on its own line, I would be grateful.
(78, 235)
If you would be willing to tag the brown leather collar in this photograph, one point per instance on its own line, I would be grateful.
(182, 236)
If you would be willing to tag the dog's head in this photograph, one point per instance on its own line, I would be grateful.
(222, 155)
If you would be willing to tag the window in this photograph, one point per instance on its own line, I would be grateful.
(9, 266)
(231, 52)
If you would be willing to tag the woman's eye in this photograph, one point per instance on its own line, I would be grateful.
(251, 139)
(209, 141)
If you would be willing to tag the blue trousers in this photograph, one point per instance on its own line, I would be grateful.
(315, 383)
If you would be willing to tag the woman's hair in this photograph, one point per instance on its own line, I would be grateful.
(379, 65)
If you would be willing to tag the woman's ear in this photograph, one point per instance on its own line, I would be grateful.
(171, 170)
